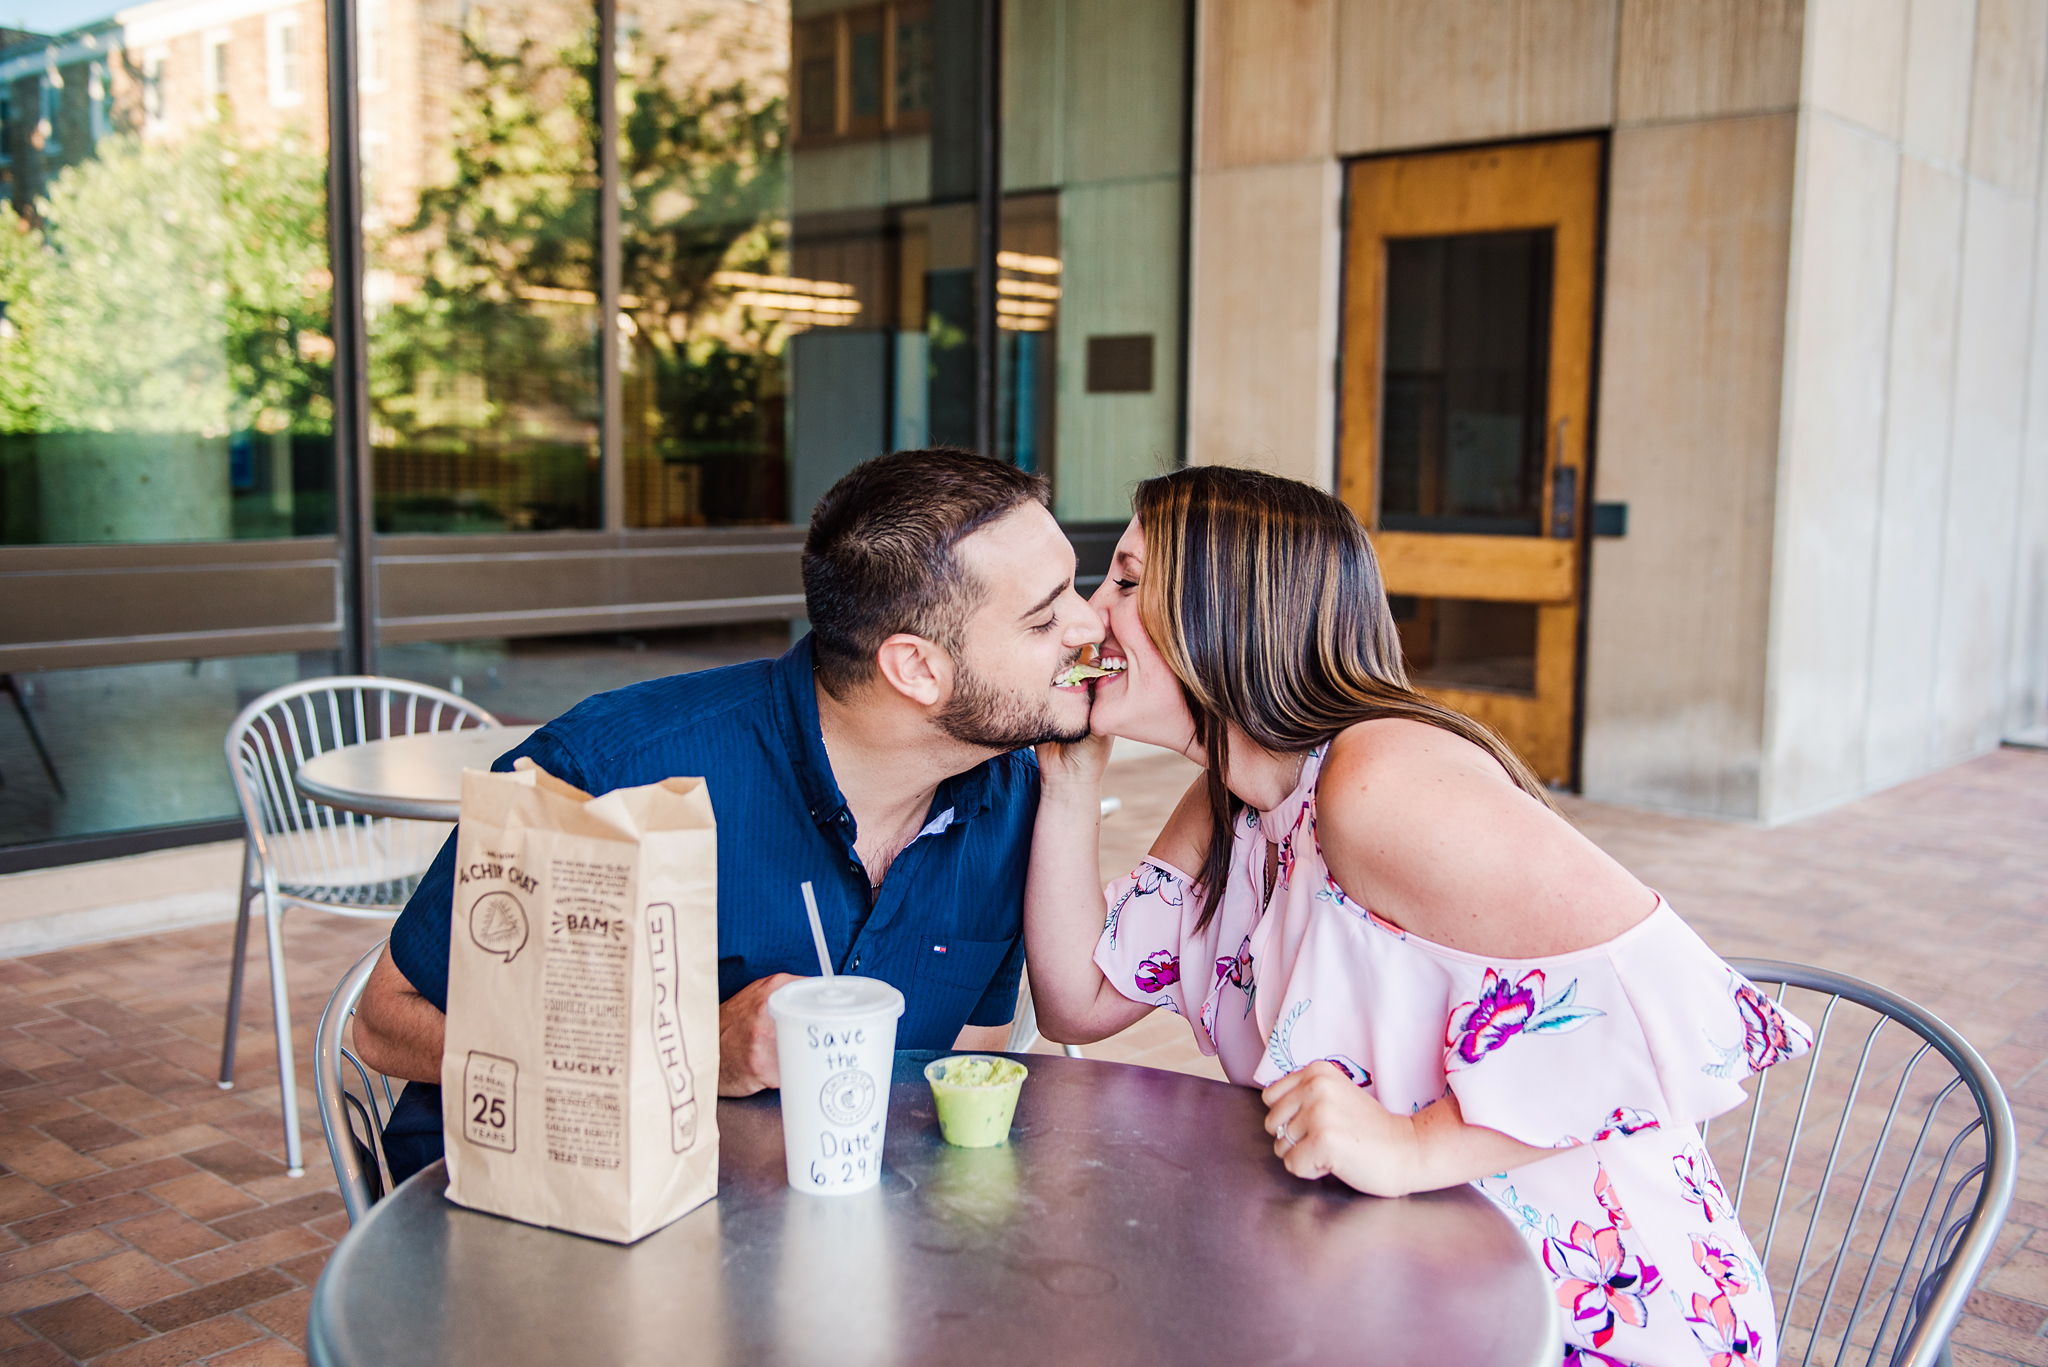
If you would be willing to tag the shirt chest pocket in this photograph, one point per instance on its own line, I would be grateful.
(952, 975)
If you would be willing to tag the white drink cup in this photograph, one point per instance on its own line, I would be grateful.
(835, 1042)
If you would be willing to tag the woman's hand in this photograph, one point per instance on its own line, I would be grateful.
(1077, 767)
(1323, 1124)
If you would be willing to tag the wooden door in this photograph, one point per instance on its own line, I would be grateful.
(1468, 340)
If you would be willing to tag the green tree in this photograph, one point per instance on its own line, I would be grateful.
(22, 271)
(176, 287)
(510, 239)
(513, 223)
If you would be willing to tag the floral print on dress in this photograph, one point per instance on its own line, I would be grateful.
(1158, 972)
(1768, 1035)
(1603, 1192)
(1280, 1044)
(1575, 1356)
(1729, 1271)
(1237, 971)
(1599, 1282)
(1765, 1038)
(1625, 1121)
(1147, 880)
(1505, 1010)
(1701, 1185)
(1351, 1068)
(1729, 1341)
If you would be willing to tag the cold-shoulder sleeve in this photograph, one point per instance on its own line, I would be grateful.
(1652, 1031)
(1148, 933)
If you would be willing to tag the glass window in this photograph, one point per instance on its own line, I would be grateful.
(51, 129)
(482, 285)
(911, 67)
(817, 46)
(709, 299)
(1468, 644)
(129, 745)
(538, 678)
(165, 371)
(1467, 359)
(216, 65)
(155, 110)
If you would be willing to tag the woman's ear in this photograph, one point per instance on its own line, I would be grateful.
(916, 668)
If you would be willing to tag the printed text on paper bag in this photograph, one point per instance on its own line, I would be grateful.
(584, 1045)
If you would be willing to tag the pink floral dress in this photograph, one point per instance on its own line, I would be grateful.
(1615, 1053)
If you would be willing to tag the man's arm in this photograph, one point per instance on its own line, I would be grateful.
(983, 1039)
(397, 1031)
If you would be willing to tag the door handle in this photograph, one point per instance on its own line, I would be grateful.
(1564, 492)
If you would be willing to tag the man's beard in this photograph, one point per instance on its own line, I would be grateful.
(977, 714)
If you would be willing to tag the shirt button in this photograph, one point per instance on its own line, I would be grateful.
(855, 964)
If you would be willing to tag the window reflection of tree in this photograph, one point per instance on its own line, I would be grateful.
(487, 350)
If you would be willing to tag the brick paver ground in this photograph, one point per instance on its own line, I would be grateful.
(145, 1217)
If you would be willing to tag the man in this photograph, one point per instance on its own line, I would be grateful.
(885, 759)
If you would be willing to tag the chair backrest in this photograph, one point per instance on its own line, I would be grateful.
(354, 1102)
(1872, 1174)
(308, 843)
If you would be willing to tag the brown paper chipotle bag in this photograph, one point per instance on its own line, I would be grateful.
(579, 1077)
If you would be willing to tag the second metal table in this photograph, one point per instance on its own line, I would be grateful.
(1136, 1216)
(417, 776)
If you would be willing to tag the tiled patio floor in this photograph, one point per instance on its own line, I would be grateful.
(147, 1218)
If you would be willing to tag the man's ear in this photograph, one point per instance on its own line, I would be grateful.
(918, 669)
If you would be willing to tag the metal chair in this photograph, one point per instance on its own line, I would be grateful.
(301, 853)
(1883, 1214)
(359, 1166)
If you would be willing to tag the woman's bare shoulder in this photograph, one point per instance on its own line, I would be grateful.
(1390, 747)
(1427, 829)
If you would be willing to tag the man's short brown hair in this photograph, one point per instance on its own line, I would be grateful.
(880, 557)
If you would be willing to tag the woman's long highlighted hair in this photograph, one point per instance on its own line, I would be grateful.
(1264, 596)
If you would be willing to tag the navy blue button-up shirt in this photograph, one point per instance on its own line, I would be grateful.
(945, 927)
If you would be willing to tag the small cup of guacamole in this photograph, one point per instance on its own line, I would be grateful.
(976, 1096)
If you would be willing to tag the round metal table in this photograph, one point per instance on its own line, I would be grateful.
(417, 776)
(1136, 1216)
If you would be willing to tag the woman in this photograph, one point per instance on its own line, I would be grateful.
(1368, 907)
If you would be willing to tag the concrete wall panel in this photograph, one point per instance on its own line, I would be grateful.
(1919, 417)
(1829, 467)
(1265, 81)
(2026, 670)
(1857, 60)
(1420, 73)
(1941, 43)
(1982, 536)
(1696, 59)
(1262, 374)
(2005, 92)
(1698, 230)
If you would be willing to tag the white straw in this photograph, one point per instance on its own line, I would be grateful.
(817, 931)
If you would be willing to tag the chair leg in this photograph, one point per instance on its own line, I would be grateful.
(281, 1014)
(250, 892)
